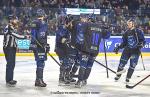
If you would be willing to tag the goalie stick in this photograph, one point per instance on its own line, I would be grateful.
(131, 87)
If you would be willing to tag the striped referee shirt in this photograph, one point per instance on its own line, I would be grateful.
(10, 37)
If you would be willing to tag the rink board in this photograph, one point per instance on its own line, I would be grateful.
(110, 44)
(54, 54)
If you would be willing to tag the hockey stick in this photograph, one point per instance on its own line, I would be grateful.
(117, 73)
(54, 59)
(123, 71)
(141, 52)
(130, 87)
(105, 66)
(142, 61)
(106, 58)
(99, 62)
(48, 52)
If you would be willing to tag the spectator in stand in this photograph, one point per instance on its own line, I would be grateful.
(146, 20)
(90, 4)
(105, 3)
(120, 7)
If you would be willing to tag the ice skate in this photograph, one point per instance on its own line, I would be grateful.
(79, 84)
(11, 83)
(117, 78)
(127, 81)
(84, 82)
(40, 83)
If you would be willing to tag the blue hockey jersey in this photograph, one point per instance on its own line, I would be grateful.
(89, 36)
(81, 29)
(133, 39)
(62, 32)
(39, 32)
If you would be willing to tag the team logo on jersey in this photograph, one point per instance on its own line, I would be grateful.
(108, 44)
(132, 42)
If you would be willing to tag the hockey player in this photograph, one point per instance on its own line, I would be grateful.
(88, 40)
(62, 49)
(39, 32)
(73, 52)
(74, 55)
(10, 46)
(133, 41)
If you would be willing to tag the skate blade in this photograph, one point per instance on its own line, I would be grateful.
(128, 83)
(9, 85)
(73, 82)
(78, 86)
(63, 84)
(39, 86)
(116, 80)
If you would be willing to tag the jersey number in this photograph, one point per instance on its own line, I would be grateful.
(95, 38)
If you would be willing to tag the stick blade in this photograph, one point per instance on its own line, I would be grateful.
(129, 87)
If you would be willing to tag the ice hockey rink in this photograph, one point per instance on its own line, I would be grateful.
(98, 83)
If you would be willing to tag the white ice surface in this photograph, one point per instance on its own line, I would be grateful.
(97, 82)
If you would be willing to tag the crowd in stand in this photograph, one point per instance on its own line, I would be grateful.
(131, 4)
(114, 11)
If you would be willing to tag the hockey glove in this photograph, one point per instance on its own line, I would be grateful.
(33, 47)
(106, 34)
(65, 41)
(140, 45)
(47, 48)
(116, 49)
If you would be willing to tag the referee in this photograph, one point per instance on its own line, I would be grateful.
(9, 48)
